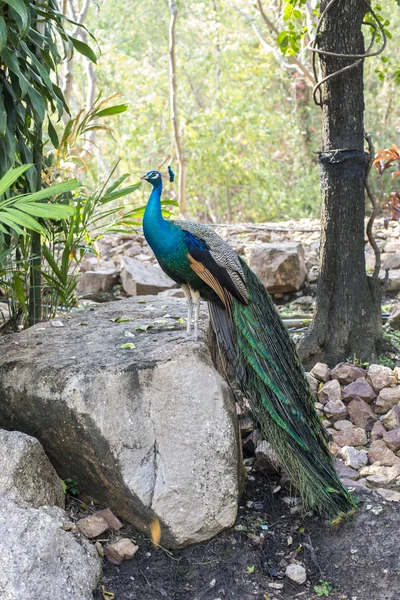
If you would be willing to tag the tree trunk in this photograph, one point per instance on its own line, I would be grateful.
(347, 322)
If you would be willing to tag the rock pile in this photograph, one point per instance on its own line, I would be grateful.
(284, 255)
(361, 410)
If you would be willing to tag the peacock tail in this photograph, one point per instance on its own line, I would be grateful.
(273, 381)
(256, 347)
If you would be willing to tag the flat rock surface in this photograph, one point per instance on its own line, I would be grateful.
(138, 416)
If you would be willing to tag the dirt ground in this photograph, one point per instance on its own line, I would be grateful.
(360, 560)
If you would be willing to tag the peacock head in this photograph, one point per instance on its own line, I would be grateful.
(153, 177)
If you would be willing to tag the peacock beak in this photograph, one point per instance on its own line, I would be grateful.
(145, 177)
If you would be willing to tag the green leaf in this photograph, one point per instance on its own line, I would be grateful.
(84, 49)
(128, 346)
(11, 177)
(3, 33)
(123, 192)
(53, 135)
(144, 327)
(22, 219)
(250, 569)
(112, 110)
(38, 103)
(3, 117)
(11, 62)
(283, 39)
(54, 190)
(22, 10)
(47, 211)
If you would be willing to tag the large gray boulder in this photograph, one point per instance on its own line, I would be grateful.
(26, 474)
(148, 430)
(280, 266)
(139, 278)
(39, 560)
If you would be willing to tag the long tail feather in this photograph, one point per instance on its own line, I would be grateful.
(259, 348)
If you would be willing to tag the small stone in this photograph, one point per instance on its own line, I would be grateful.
(333, 448)
(377, 431)
(360, 484)
(344, 471)
(392, 439)
(391, 261)
(350, 437)
(113, 523)
(342, 424)
(246, 425)
(330, 391)
(361, 413)
(335, 410)
(312, 382)
(388, 475)
(92, 526)
(387, 399)
(346, 373)
(321, 372)
(392, 419)
(174, 293)
(266, 459)
(358, 389)
(249, 444)
(353, 458)
(276, 586)
(296, 573)
(124, 549)
(379, 452)
(389, 495)
(318, 406)
(380, 377)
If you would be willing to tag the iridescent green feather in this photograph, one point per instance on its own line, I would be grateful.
(275, 385)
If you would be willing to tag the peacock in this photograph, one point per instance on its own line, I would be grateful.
(255, 344)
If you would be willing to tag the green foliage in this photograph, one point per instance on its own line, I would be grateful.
(19, 212)
(94, 215)
(323, 589)
(31, 36)
(70, 486)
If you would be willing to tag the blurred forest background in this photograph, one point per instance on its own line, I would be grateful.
(249, 127)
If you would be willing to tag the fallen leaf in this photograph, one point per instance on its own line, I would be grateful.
(155, 531)
(128, 346)
(107, 595)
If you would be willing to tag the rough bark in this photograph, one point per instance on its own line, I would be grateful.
(347, 321)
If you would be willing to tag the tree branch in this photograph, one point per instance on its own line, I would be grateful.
(294, 63)
(374, 203)
(174, 109)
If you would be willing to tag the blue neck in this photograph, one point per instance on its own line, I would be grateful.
(155, 227)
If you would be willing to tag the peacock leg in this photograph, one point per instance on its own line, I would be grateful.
(188, 296)
(196, 303)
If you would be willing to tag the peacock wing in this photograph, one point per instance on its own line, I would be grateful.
(214, 261)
